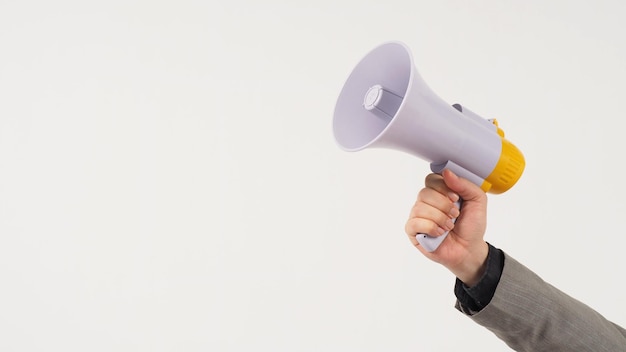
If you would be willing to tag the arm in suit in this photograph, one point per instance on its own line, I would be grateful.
(529, 314)
(521, 309)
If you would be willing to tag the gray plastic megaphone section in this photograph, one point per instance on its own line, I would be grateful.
(458, 170)
(382, 102)
(424, 125)
(430, 244)
(388, 66)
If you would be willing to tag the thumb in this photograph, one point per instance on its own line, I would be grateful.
(467, 190)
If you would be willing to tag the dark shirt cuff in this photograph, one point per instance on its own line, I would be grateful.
(477, 297)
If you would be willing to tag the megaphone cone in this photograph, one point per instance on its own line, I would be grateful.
(385, 103)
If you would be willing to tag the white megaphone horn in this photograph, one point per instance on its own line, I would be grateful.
(386, 104)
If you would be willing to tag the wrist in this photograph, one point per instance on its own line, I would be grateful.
(473, 266)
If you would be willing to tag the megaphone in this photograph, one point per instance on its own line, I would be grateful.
(386, 104)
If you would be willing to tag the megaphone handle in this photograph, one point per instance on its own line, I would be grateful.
(430, 243)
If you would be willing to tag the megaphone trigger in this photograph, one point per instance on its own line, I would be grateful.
(461, 172)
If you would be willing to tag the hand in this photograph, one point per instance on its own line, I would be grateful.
(464, 251)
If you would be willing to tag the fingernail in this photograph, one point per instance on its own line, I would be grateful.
(449, 224)
(453, 196)
(454, 212)
(441, 230)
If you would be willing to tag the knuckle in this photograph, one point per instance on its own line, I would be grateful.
(409, 227)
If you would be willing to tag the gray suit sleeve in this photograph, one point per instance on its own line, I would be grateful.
(529, 314)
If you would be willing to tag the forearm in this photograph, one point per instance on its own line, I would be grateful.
(477, 296)
(473, 266)
(531, 315)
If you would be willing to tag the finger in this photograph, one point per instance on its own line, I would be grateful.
(416, 226)
(438, 183)
(463, 187)
(428, 197)
(414, 241)
(429, 221)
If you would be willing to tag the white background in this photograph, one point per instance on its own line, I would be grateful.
(169, 180)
